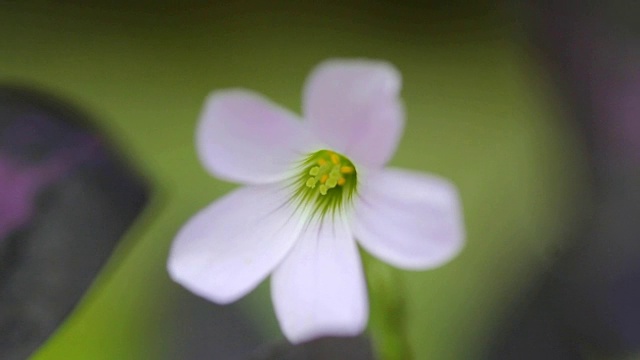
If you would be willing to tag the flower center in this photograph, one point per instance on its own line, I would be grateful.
(327, 180)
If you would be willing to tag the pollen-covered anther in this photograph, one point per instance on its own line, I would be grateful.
(335, 159)
(346, 170)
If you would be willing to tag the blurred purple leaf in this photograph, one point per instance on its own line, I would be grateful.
(66, 199)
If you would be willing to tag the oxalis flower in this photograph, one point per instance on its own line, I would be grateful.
(313, 187)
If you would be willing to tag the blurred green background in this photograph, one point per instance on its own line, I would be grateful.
(479, 111)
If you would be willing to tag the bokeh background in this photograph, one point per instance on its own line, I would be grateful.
(484, 109)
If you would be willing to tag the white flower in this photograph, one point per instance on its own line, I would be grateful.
(313, 187)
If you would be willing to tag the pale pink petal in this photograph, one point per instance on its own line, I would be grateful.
(245, 138)
(319, 289)
(408, 219)
(228, 248)
(354, 106)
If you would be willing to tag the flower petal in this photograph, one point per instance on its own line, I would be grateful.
(354, 107)
(245, 138)
(228, 248)
(319, 289)
(408, 219)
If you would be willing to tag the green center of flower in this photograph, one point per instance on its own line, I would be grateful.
(327, 180)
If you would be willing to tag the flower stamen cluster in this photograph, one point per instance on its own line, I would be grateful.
(328, 180)
(329, 173)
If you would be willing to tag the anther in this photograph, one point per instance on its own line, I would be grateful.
(346, 169)
(335, 159)
(342, 181)
(323, 189)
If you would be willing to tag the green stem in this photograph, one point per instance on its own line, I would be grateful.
(388, 310)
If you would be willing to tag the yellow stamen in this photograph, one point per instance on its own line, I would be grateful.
(327, 170)
(346, 169)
